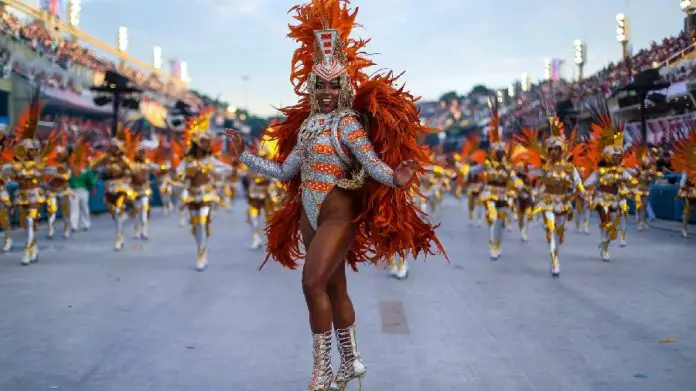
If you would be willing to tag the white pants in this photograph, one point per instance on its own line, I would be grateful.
(79, 210)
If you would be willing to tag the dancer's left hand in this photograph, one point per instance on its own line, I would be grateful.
(404, 172)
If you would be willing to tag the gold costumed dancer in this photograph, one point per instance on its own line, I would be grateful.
(258, 197)
(231, 182)
(605, 162)
(523, 200)
(684, 162)
(116, 167)
(275, 194)
(6, 156)
(559, 180)
(582, 204)
(499, 177)
(168, 182)
(646, 174)
(341, 188)
(198, 170)
(165, 173)
(29, 164)
(59, 192)
(473, 156)
(461, 169)
(142, 188)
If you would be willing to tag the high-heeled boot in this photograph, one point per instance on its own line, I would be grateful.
(352, 366)
(322, 372)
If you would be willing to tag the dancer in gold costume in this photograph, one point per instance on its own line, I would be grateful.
(6, 156)
(605, 162)
(258, 197)
(197, 171)
(499, 178)
(140, 179)
(59, 193)
(26, 166)
(559, 179)
(523, 200)
(473, 180)
(582, 204)
(166, 160)
(647, 174)
(116, 166)
(684, 162)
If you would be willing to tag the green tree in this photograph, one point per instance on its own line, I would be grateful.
(449, 96)
(480, 89)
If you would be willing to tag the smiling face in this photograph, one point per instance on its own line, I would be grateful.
(326, 93)
(555, 153)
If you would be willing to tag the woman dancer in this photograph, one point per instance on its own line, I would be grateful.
(59, 193)
(198, 170)
(605, 162)
(326, 152)
(29, 163)
(117, 166)
(557, 176)
(499, 177)
(684, 161)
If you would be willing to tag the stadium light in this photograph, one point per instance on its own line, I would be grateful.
(511, 91)
(157, 57)
(547, 69)
(687, 6)
(579, 52)
(499, 95)
(622, 33)
(525, 82)
(122, 41)
(580, 56)
(74, 9)
(184, 72)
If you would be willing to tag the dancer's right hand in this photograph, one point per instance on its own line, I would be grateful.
(237, 141)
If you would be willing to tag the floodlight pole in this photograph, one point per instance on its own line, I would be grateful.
(117, 107)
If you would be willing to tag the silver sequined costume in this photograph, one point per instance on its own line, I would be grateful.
(325, 159)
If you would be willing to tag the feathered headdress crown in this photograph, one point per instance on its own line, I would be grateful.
(326, 49)
(28, 122)
(609, 133)
(557, 136)
(198, 126)
(494, 130)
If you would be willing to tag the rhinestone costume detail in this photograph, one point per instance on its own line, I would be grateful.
(331, 147)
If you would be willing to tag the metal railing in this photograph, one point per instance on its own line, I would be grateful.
(679, 56)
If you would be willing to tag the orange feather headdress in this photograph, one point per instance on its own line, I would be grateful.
(388, 222)
(494, 137)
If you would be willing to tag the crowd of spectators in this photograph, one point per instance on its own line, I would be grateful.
(526, 107)
(5, 63)
(96, 130)
(67, 51)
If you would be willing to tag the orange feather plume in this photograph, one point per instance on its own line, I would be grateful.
(469, 146)
(684, 155)
(80, 156)
(494, 127)
(530, 140)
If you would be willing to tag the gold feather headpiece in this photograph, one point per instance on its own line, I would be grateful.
(609, 133)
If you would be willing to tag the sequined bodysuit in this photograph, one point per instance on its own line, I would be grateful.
(325, 160)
